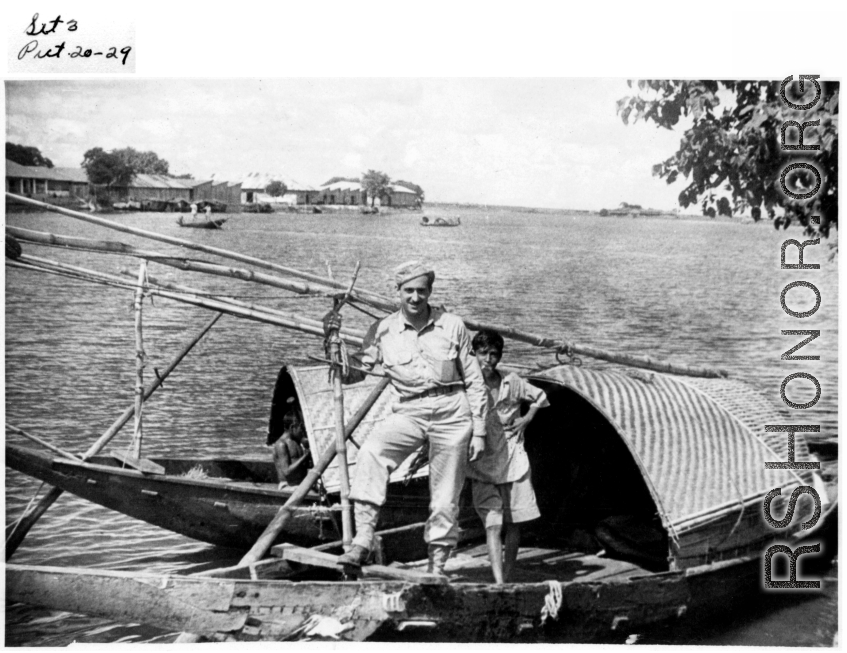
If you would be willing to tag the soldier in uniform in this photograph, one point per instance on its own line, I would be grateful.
(439, 398)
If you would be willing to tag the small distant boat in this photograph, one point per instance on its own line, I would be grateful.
(217, 223)
(130, 205)
(441, 222)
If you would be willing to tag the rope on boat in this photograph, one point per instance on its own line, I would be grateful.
(552, 602)
(567, 349)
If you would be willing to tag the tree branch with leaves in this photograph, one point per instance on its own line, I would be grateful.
(736, 149)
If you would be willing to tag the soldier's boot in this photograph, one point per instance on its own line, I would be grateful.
(355, 557)
(438, 555)
(366, 516)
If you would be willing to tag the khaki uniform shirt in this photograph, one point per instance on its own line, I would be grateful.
(439, 355)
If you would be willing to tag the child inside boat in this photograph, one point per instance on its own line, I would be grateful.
(502, 490)
(292, 458)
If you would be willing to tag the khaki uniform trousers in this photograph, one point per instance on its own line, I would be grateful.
(443, 420)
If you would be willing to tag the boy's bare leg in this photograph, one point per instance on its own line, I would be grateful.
(513, 541)
(495, 552)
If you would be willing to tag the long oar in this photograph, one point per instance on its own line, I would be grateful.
(266, 539)
(114, 247)
(217, 251)
(165, 285)
(384, 303)
(16, 534)
(27, 261)
(43, 443)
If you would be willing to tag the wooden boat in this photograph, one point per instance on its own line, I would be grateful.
(650, 488)
(220, 501)
(157, 206)
(129, 205)
(557, 596)
(230, 502)
(215, 223)
(441, 222)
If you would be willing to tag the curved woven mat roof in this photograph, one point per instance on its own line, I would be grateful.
(700, 443)
(318, 406)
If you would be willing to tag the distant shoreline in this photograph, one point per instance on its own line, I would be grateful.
(495, 208)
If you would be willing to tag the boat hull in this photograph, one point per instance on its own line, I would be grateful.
(205, 224)
(250, 610)
(231, 513)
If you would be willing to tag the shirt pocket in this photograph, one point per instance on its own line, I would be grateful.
(396, 357)
(441, 356)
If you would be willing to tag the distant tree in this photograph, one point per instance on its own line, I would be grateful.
(187, 175)
(106, 168)
(335, 180)
(276, 188)
(376, 184)
(26, 155)
(147, 163)
(738, 149)
(419, 192)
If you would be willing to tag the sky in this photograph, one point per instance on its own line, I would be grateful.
(542, 142)
(476, 102)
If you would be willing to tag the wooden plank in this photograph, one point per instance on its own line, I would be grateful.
(387, 536)
(392, 537)
(320, 559)
(268, 569)
(143, 465)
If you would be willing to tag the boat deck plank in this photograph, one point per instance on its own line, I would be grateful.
(537, 564)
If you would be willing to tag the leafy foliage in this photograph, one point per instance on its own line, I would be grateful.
(276, 188)
(377, 184)
(26, 155)
(118, 167)
(107, 168)
(737, 149)
(147, 163)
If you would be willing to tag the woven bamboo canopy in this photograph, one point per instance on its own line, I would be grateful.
(699, 445)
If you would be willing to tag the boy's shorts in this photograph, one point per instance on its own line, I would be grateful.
(519, 501)
(488, 502)
(510, 502)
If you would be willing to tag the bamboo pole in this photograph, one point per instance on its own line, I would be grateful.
(235, 256)
(139, 362)
(212, 304)
(16, 535)
(340, 436)
(113, 247)
(378, 301)
(358, 333)
(43, 443)
(266, 539)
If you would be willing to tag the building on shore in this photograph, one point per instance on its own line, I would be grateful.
(254, 184)
(228, 192)
(45, 183)
(343, 192)
(168, 189)
(351, 192)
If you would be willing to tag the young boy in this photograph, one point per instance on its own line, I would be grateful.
(502, 490)
(291, 451)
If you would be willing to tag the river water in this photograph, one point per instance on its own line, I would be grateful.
(693, 291)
